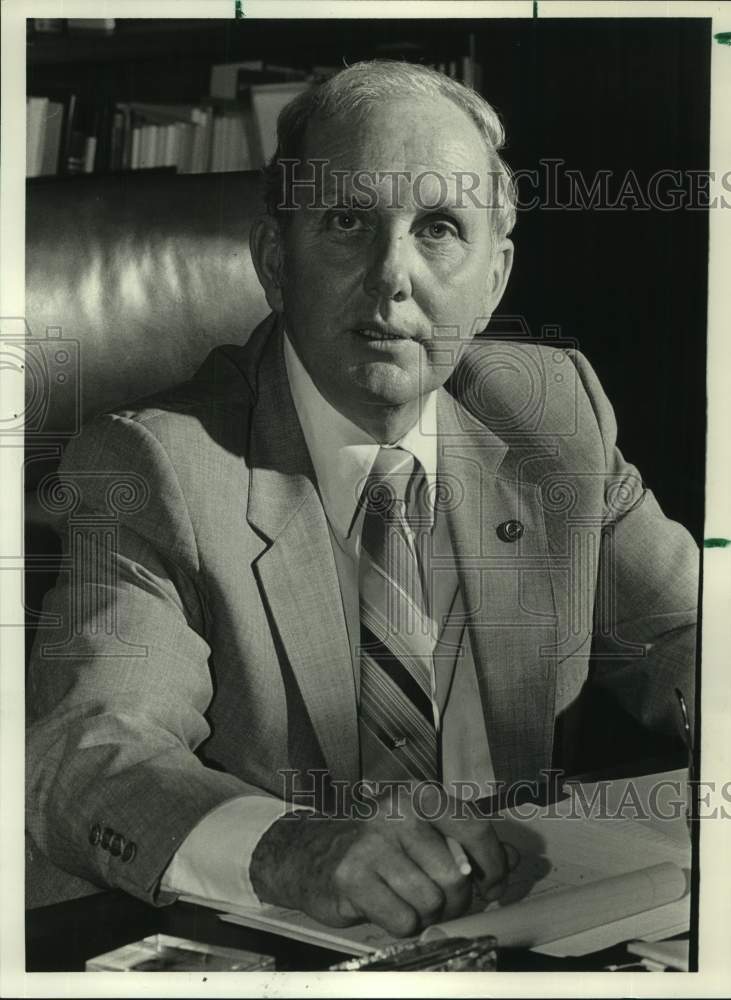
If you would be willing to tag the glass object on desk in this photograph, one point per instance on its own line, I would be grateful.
(163, 953)
(453, 955)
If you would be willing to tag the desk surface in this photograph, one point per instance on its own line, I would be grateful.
(61, 937)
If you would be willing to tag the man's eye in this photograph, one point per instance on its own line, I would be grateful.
(345, 222)
(439, 230)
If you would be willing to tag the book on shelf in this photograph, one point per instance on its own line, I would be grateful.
(62, 135)
(227, 78)
(53, 131)
(84, 127)
(202, 141)
(466, 70)
(116, 140)
(267, 100)
(53, 137)
(36, 111)
(69, 113)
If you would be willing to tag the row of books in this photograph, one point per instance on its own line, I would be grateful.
(70, 136)
(234, 128)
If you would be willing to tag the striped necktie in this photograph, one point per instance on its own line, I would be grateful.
(398, 732)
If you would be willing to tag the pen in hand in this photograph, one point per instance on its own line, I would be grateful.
(461, 859)
(464, 864)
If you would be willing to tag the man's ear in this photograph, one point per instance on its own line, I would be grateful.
(499, 272)
(267, 254)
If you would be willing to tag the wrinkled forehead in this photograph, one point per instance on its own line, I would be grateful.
(317, 184)
(405, 153)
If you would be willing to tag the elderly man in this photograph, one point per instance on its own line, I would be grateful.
(352, 588)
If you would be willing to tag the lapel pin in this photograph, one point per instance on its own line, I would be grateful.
(510, 531)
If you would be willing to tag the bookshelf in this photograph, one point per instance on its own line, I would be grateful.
(139, 95)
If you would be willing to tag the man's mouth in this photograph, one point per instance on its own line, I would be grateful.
(381, 333)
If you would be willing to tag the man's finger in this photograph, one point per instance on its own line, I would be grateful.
(493, 892)
(489, 859)
(377, 903)
(511, 855)
(409, 881)
(430, 852)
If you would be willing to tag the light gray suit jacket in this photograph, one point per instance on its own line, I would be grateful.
(201, 646)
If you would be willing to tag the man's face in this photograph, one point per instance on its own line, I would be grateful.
(375, 288)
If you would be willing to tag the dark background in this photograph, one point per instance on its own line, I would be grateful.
(628, 286)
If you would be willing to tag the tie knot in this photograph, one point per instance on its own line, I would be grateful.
(396, 487)
(388, 482)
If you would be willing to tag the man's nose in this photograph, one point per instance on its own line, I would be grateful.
(388, 277)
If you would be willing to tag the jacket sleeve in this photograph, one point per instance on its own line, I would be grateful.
(644, 642)
(120, 687)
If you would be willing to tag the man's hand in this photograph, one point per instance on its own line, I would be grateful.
(394, 869)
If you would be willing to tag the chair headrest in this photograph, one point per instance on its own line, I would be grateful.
(131, 279)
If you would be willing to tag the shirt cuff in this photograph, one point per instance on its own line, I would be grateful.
(213, 860)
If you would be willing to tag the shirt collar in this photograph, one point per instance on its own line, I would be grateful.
(343, 453)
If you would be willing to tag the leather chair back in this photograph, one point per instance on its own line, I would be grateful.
(130, 280)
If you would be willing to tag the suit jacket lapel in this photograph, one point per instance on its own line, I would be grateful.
(507, 589)
(297, 571)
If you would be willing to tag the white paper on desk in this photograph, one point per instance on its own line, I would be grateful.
(543, 917)
(659, 801)
(556, 852)
(361, 939)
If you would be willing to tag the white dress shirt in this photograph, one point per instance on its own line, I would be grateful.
(214, 859)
